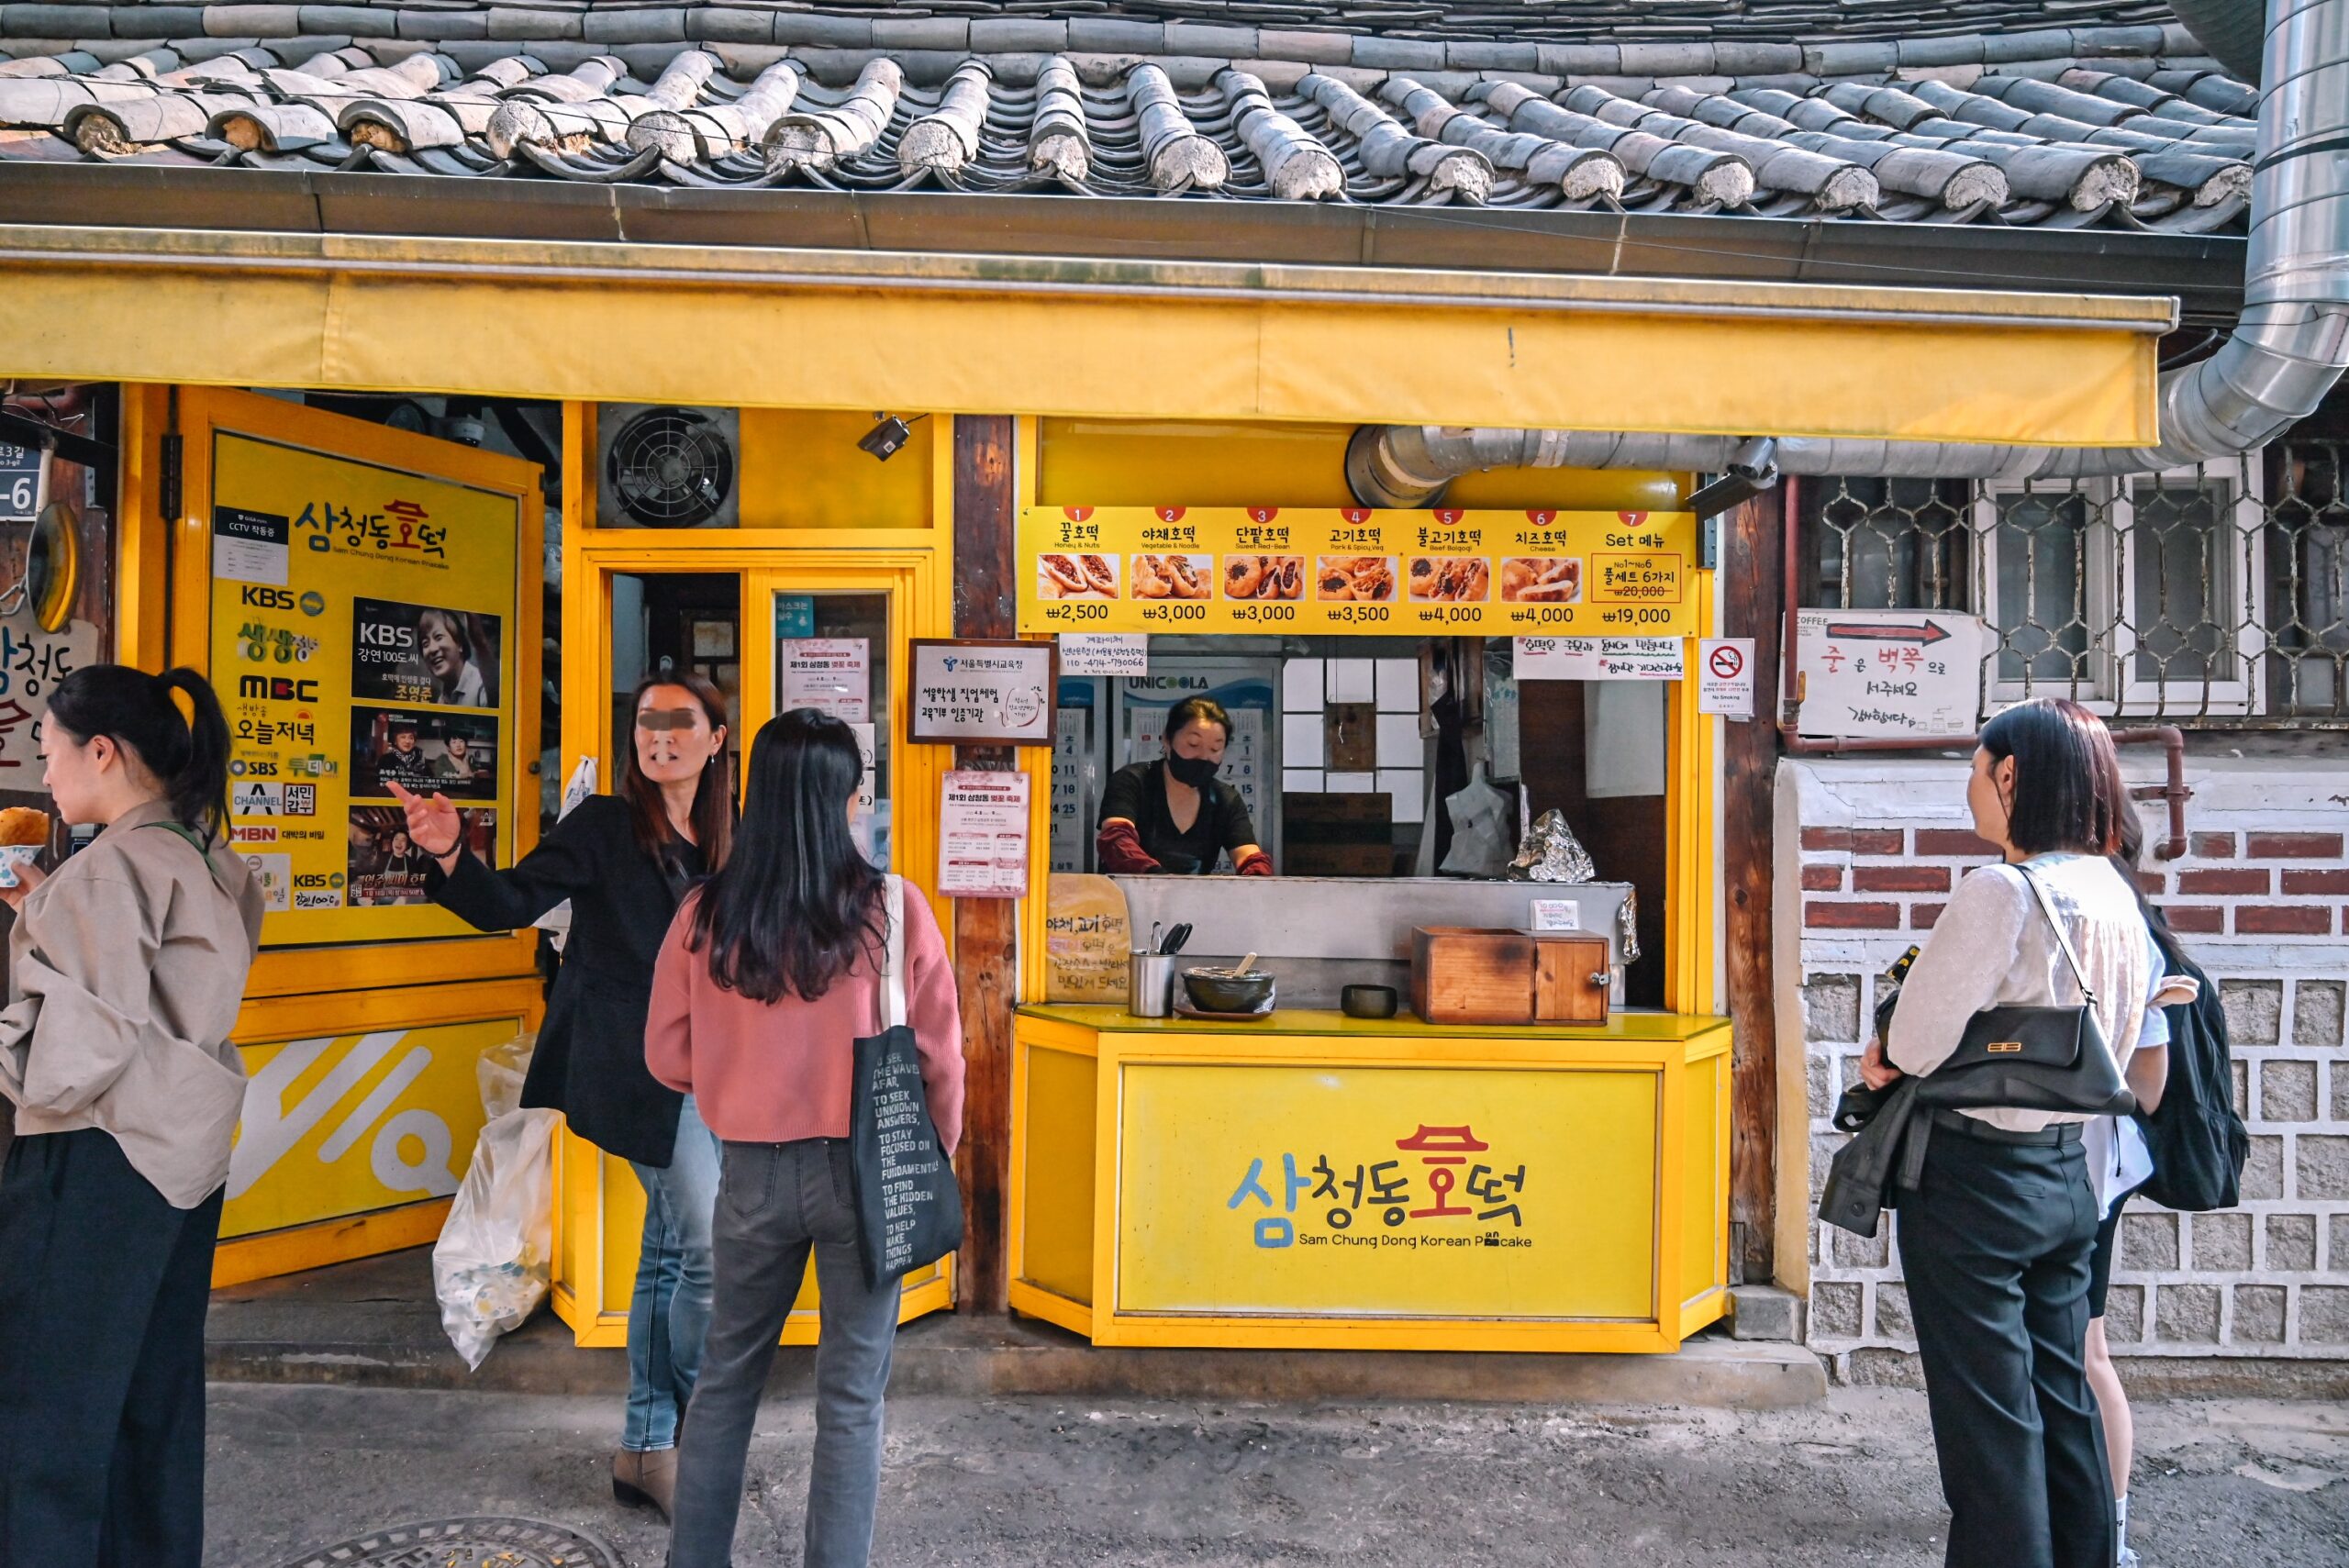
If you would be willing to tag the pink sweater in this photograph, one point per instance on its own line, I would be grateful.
(778, 1072)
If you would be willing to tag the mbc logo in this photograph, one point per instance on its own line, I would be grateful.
(277, 688)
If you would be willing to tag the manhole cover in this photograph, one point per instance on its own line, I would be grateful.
(466, 1543)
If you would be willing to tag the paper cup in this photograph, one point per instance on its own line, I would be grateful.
(12, 858)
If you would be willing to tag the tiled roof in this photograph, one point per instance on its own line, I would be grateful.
(2118, 127)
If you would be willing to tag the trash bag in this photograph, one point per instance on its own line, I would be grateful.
(500, 1073)
(492, 1263)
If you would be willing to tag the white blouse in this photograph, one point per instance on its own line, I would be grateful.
(1991, 947)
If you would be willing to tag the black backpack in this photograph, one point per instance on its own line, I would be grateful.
(2199, 1143)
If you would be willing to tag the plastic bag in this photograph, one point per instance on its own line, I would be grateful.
(492, 1265)
(1479, 830)
(500, 1073)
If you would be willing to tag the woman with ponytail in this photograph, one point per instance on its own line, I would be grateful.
(125, 969)
(624, 861)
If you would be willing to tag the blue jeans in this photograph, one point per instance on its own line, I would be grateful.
(779, 1203)
(669, 1314)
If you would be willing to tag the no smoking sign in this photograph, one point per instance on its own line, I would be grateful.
(1725, 677)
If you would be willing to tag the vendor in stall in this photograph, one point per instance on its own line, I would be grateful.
(1174, 815)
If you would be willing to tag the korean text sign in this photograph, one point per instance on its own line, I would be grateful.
(1909, 674)
(1387, 1191)
(1270, 569)
(363, 622)
(977, 691)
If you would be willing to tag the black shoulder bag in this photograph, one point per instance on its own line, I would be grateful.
(908, 1208)
(2033, 1059)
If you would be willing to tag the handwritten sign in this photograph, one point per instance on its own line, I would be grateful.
(982, 692)
(1600, 658)
(31, 664)
(1086, 938)
(983, 834)
(1912, 674)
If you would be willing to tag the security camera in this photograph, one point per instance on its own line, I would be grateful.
(885, 440)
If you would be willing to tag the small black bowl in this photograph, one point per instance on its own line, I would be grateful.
(1219, 991)
(1367, 1001)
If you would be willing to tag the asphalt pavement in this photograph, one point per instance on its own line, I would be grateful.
(984, 1483)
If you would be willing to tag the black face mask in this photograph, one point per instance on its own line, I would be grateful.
(1197, 771)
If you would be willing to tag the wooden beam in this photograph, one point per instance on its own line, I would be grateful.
(987, 955)
(1752, 590)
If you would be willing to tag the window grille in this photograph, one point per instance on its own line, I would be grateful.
(2213, 594)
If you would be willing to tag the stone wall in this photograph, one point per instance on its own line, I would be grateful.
(2261, 900)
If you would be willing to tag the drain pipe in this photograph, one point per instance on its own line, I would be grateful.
(2289, 348)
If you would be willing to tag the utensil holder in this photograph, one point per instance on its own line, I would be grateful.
(1150, 984)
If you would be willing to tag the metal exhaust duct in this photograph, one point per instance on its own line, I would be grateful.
(2289, 348)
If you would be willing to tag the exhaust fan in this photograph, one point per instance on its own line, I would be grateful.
(665, 466)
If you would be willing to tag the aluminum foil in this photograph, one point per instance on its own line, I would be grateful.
(1551, 852)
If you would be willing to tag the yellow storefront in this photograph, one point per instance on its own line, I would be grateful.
(1116, 1163)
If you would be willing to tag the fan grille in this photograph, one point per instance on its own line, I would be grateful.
(670, 468)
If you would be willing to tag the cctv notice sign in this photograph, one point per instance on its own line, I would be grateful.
(361, 632)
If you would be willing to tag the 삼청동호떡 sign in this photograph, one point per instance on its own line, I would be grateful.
(362, 624)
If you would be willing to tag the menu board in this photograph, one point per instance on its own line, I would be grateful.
(1444, 573)
(361, 631)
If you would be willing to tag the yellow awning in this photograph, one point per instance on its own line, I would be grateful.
(1070, 336)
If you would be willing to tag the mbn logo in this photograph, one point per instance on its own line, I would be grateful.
(277, 688)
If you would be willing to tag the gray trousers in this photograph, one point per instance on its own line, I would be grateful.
(776, 1202)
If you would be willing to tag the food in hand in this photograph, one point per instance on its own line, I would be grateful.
(1062, 576)
(1451, 578)
(24, 825)
(1339, 578)
(1541, 579)
(1263, 576)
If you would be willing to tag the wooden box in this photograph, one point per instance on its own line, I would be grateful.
(1463, 974)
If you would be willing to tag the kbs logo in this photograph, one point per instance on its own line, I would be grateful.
(256, 597)
(320, 879)
(277, 688)
(386, 635)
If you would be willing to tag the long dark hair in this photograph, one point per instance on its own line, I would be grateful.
(797, 903)
(713, 812)
(2128, 855)
(2068, 791)
(188, 753)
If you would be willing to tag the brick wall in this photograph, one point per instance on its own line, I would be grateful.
(2262, 901)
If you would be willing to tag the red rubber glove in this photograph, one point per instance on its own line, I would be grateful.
(1119, 847)
(1258, 863)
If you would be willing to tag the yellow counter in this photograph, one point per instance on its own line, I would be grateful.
(1316, 1181)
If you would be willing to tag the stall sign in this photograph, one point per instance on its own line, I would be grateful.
(31, 664)
(1911, 673)
(1725, 677)
(1103, 653)
(1388, 1192)
(830, 675)
(1600, 658)
(983, 834)
(1358, 572)
(361, 634)
(1088, 937)
(19, 482)
(347, 1124)
(981, 692)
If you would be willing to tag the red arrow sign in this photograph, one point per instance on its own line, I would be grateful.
(1928, 633)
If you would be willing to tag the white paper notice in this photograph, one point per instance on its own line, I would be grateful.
(1906, 672)
(1105, 654)
(251, 547)
(1600, 658)
(830, 675)
(1725, 677)
(1557, 914)
(983, 834)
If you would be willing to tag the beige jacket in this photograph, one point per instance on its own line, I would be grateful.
(125, 969)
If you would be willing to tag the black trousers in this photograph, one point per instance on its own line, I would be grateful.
(1995, 1243)
(103, 1287)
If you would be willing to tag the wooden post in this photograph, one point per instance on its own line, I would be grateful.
(1753, 580)
(985, 929)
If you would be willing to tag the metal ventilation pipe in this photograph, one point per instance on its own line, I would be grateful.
(2289, 348)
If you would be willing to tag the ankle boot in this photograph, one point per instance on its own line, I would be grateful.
(646, 1478)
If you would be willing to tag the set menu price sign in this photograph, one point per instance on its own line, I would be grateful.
(361, 626)
(1443, 573)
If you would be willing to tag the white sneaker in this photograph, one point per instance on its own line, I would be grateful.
(2127, 1559)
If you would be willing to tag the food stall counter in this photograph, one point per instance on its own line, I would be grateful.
(1312, 1180)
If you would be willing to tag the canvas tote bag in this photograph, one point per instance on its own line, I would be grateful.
(908, 1208)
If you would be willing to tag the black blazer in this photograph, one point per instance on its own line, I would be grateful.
(590, 1060)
